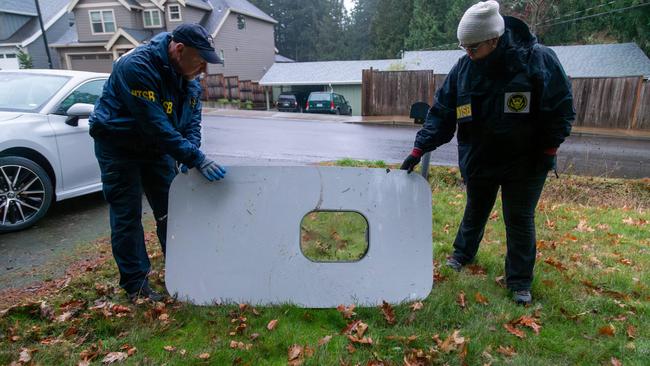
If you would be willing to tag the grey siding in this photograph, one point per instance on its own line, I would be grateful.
(123, 18)
(189, 15)
(10, 23)
(248, 53)
(172, 25)
(37, 48)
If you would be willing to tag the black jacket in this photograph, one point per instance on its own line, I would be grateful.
(509, 107)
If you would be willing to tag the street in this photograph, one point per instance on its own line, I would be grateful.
(247, 141)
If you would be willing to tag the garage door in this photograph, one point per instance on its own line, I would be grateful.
(8, 60)
(102, 62)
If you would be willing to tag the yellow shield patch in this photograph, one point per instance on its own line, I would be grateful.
(517, 102)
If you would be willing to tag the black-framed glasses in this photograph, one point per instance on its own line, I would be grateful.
(472, 48)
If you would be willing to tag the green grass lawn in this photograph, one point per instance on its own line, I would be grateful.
(591, 300)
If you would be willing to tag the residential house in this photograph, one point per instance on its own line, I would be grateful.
(20, 29)
(345, 77)
(104, 30)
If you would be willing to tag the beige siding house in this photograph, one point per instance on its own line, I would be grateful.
(106, 29)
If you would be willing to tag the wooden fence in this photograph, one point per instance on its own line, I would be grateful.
(619, 103)
(391, 93)
(609, 102)
(216, 87)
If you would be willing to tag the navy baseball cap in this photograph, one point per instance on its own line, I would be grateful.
(195, 36)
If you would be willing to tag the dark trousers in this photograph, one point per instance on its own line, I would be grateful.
(126, 174)
(519, 197)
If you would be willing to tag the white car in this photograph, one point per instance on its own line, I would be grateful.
(46, 152)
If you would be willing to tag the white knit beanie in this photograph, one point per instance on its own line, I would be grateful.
(480, 22)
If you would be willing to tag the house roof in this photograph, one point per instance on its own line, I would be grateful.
(324, 72)
(280, 58)
(603, 60)
(18, 7)
(51, 10)
(221, 9)
(598, 60)
(135, 36)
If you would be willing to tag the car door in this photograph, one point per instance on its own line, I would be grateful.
(79, 167)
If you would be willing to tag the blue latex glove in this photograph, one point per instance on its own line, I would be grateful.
(211, 170)
(183, 168)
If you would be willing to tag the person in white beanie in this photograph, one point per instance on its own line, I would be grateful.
(511, 104)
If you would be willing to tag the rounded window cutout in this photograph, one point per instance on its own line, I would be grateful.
(334, 236)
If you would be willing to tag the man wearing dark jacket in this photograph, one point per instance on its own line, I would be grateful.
(511, 103)
(147, 119)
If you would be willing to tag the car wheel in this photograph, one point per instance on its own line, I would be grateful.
(25, 193)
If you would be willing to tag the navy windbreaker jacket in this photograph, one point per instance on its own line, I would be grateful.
(508, 108)
(147, 105)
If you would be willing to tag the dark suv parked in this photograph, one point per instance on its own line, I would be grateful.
(325, 102)
(291, 101)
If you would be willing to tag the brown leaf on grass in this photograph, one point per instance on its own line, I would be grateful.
(388, 312)
(64, 317)
(272, 324)
(626, 262)
(254, 336)
(460, 300)
(350, 348)
(631, 332)
(633, 222)
(416, 306)
(583, 227)
(603, 227)
(295, 356)
(462, 355)
(480, 299)
(243, 307)
(204, 356)
(494, 216)
(240, 345)
(507, 351)
(453, 342)
(360, 340)
(361, 329)
(83, 363)
(130, 350)
(607, 330)
(25, 355)
(114, 357)
(514, 330)
(407, 340)
(46, 311)
(501, 281)
(70, 331)
(346, 311)
(555, 263)
(418, 357)
(351, 327)
(476, 269)
(72, 305)
(170, 348)
(325, 340)
(615, 362)
(92, 352)
(550, 224)
(529, 322)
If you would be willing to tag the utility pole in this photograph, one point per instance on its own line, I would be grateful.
(47, 46)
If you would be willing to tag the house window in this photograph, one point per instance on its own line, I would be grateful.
(152, 18)
(102, 21)
(11, 55)
(241, 22)
(174, 12)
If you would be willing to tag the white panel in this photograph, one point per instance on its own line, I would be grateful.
(238, 240)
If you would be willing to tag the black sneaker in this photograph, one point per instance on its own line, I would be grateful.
(145, 293)
(522, 297)
(454, 264)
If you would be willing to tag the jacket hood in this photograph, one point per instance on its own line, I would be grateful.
(513, 50)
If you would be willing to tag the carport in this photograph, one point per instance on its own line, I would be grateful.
(342, 77)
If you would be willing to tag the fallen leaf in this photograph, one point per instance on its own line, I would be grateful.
(254, 336)
(350, 348)
(163, 317)
(325, 340)
(555, 263)
(481, 299)
(361, 329)
(25, 355)
(272, 324)
(64, 317)
(170, 348)
(494, 216)
(351, 327)
(387, 311)
(583, 227)
(460, 300)
(360, 340)
(295, 355)
(507, 351)
(631, 332)
(346, 311)
(115, 357)
(616, 362)
(416, 306)
(204, 356)
(529, 322)
(607, 330)
(476, 269)
(514, 330)
(500, 281)
(453, 342)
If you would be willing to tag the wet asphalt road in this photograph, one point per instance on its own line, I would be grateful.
(244, 141)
